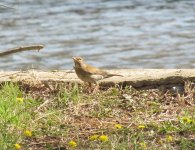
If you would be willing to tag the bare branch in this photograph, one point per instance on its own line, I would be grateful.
(20, 49)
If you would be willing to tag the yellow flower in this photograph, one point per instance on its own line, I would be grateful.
(94, 137)
(187, 120)
(72, 144)
(118, 126)
(103, 138)
(169, 138)
(143, 144)
(141, 126)
(20, 100)
(17, 146)
(28, 133)
(184, 119)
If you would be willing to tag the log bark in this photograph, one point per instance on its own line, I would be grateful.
(134, 77)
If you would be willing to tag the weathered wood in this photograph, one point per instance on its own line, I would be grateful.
(20, 49)
(134, 77)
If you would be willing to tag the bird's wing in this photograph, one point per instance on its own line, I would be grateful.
(97, 73)
(93, 70)
(97, 77)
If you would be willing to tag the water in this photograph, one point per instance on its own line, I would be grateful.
(107, 33)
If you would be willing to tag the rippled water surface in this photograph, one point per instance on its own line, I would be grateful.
(107, 33)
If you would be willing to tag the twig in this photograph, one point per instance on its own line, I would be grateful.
(42, 105)
(20, 49)
(51, 113)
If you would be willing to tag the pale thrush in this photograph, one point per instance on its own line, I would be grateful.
(88, 73)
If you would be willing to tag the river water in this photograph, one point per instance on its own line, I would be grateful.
(107, 33)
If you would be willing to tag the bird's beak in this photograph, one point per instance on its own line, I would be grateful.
(74, 58)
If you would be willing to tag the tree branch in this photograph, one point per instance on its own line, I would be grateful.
(20, 49)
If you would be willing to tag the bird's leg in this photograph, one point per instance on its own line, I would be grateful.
(90, 84)
(96, 89)
(90, 87)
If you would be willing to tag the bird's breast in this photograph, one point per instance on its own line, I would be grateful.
(83, 75)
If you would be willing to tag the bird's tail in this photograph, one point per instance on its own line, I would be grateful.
(111, 75)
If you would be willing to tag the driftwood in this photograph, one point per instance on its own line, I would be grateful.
(137, 78)
(20, 49)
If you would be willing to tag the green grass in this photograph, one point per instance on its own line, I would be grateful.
(149, 119)
(15, 116)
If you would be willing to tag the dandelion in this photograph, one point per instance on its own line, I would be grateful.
(187, 120)
(141, 126)
(28, 133)
(143, 144)
(72, 144)
(184, 119)
(94, 137)
(103, 138)
(17, 146)
(118, 126)
(169, 138)
(20, 100)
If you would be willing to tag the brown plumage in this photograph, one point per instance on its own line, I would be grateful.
(88, 73)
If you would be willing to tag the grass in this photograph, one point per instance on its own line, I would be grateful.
(48, 118)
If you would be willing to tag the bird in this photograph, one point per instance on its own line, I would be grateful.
(90, 74)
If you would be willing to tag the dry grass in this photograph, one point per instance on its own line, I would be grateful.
(130, 118)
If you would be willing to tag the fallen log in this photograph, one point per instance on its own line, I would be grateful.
(137, 78)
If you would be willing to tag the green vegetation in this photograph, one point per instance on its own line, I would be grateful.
(48, 118)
